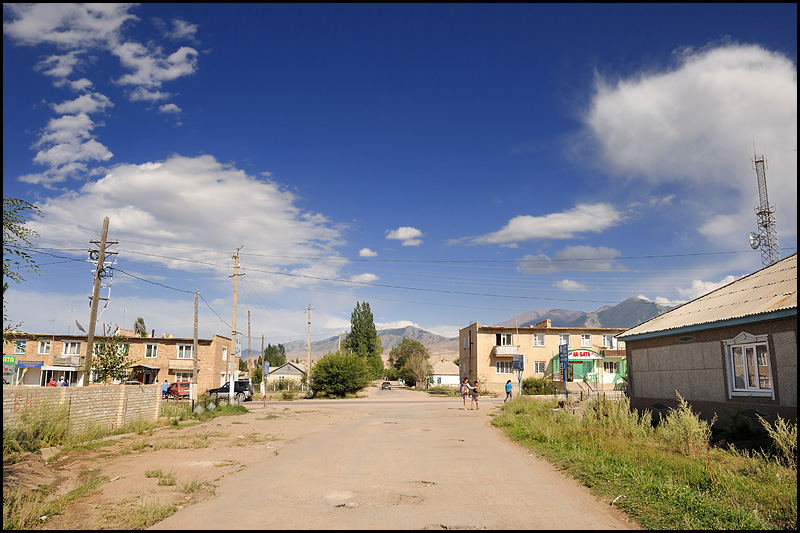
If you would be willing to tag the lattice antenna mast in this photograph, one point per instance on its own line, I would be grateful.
(765, 214)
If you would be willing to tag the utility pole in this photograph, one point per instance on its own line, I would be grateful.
(308, 370)
(195, 350)
(87, 367)
(249, 352)
(232, 359)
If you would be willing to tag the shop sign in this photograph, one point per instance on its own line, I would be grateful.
(583, 355)
(9, 360)
(30, 364)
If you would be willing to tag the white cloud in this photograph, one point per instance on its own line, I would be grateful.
(364, 278)
(583, 218)
(65, 25)
(182, 30)
(150, 67)
(572, 258)
(409, 236)
(569, 285)
(59, 66)
(366, 252)
(169, 108)
(395, 325)
(699, 287)
(695, 128)
(86, 103)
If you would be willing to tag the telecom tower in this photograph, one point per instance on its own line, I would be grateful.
(767, 236)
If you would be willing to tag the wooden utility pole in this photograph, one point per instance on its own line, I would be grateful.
(101, 257)
(308, 370)
(249, 352)
(195, 350)
(232, 358)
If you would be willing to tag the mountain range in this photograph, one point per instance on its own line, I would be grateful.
(626, 314)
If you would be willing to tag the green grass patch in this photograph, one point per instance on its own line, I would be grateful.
(664, 477)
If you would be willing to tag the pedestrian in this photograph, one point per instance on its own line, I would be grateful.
(61, 381)
(66, 383)
(465, 391)
(164, 387)
(475, 395)
(508, 390)
(51, 383)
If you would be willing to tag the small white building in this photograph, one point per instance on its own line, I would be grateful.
(445, 373)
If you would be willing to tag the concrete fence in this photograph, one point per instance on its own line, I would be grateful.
(111, 406)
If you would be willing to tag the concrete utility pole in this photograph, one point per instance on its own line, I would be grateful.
(195, 349)
(308, 370)
(87, 367)
(232, 358)
(249, 352)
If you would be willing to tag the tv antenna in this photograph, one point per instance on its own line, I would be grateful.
(767, 236)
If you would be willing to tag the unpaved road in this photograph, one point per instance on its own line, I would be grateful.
(397, 459)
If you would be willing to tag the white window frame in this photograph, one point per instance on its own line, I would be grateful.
(563, 337)
(224, 353)
(44, 348)
(609, 341)
(504, 367)
(538, 339)
(71, 348)
(586, 340)
(150, 350)
(611, 367)
(539, 367)
(19, 347)
(504, 339)
(183, 376)
(124, 349)
(182, 349)
(740, 353)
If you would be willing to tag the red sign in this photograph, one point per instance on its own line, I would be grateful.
(584, 354)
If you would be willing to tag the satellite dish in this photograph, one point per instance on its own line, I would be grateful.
(79, 326)
(755, 241)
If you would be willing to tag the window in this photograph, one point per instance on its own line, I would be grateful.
(586, 341)
(19, 347)
(150, 351)
(44, 348)
(466, 342)
(504, 367)
(609, 341)
(749, 369)
(538, 339)
(183, 376)
(539, 367)
(611, 367)
(224, 353)
(185, 351)
(563, 339)
(72, 348)
(503, 339)
(124, 349)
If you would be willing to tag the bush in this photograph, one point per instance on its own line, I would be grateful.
(39, 427)
(537, 386)
(684, 429)
(338, 374)
(784, 437)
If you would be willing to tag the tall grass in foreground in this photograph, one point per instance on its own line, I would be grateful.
(664, 477)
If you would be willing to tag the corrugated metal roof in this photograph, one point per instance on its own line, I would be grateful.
(769, 291)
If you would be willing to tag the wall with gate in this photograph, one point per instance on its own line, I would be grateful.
(111, 406)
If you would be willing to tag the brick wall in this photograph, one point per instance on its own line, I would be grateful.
(111, 406)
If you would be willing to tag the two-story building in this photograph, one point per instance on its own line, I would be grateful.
(32, 360)
(488, 353)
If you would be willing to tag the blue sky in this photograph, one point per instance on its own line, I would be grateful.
(446, 163)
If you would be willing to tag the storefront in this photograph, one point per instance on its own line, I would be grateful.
(583, 365)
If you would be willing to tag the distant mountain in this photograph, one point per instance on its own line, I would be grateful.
(627, 314)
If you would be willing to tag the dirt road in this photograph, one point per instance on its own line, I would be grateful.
(397, 459)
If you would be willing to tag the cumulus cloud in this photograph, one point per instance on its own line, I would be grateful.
(65, 25)
(572, 258)
(366, 252)
(699, 288)
(581, 219)
(364, 278)
(409, 236)
(169, 108)
(695, 128)
(569, 285)
(165, 211)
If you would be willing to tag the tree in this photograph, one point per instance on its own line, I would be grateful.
(340, 373)
(139, 328)
(275, 355)
(110, 359)
(16, 237)
(363, 339)
(410, 360)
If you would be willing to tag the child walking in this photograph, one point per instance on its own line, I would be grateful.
(475, 395)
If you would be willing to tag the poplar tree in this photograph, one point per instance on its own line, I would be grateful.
(363, 339)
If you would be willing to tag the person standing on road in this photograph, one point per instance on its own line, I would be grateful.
(164, 387)
(465, 391)
(508, 391)
(475, 395)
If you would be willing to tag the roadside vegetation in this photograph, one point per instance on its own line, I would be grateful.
(665, 475)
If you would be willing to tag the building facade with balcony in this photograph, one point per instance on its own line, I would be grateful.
(488, 353)
(33, 360)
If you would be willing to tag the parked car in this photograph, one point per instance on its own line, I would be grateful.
(386, 386)
(179, 389)
(242, 390)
